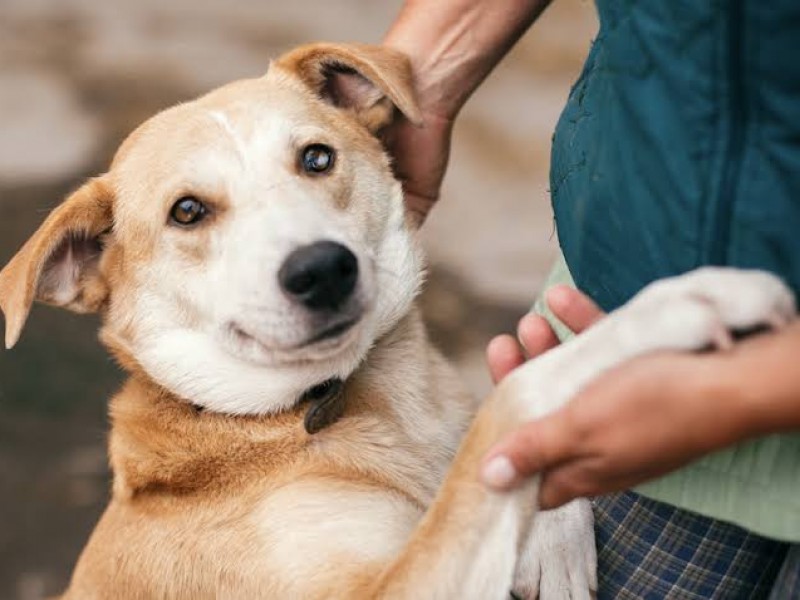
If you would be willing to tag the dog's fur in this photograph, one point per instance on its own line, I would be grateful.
(219, 492)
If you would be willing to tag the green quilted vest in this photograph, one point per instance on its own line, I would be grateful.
(679, 146)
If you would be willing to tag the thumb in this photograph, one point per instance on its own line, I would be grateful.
(534, 447)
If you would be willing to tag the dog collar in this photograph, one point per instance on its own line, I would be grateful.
(326, 404)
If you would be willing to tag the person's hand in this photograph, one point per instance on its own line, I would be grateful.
(535, 336)
(420, 155)
(634, 423)
(452, 47)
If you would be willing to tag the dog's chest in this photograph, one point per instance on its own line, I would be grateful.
(389, 475)
(408, 450)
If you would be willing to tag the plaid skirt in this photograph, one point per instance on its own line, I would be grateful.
(648, 550)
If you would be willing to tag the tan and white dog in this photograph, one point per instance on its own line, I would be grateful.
(287, 430)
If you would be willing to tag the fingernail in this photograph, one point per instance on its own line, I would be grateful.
(499, 472)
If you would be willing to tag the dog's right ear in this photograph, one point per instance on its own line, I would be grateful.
(59, 264)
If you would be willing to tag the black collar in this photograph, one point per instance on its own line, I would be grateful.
(326, 404)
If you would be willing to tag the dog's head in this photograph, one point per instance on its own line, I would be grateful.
(245, 246)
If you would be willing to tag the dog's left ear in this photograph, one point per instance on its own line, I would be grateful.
(59, 264)
(369, 80)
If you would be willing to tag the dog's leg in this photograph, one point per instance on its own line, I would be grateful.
(559, 557)
(467, 544)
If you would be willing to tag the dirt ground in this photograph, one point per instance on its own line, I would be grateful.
(77, 75)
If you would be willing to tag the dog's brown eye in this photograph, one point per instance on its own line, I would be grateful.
(317, 158)
(187, 211)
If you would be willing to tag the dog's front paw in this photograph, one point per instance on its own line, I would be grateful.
(702, 307)
(559, 559)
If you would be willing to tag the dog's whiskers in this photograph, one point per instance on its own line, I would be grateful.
(382, 269)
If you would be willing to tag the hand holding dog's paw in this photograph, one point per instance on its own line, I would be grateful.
(643, 419)
(559, 559)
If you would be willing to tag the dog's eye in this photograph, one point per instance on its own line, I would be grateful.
(317, 158)
(188, 211)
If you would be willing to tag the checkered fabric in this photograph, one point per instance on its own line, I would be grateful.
(648, 550)
(787, 586)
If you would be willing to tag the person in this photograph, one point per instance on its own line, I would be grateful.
(679, 146)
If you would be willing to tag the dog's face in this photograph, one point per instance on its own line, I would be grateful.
(245, 246)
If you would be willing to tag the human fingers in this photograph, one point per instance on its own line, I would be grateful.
(572, 307)
(536, 335)
(503, 355)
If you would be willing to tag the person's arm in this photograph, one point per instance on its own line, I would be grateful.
(652, 415)
(453, 45)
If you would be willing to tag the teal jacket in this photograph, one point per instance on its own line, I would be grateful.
(680, 147)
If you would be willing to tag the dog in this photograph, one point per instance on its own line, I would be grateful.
(287, 430)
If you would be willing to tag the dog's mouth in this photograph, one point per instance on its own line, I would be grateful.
(330, 336)
(331, 332)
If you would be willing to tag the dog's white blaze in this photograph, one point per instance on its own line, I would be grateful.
(222, 119)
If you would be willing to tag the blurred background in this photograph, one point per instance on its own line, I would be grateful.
(77, 75)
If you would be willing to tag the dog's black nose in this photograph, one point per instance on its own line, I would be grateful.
(322, 275)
